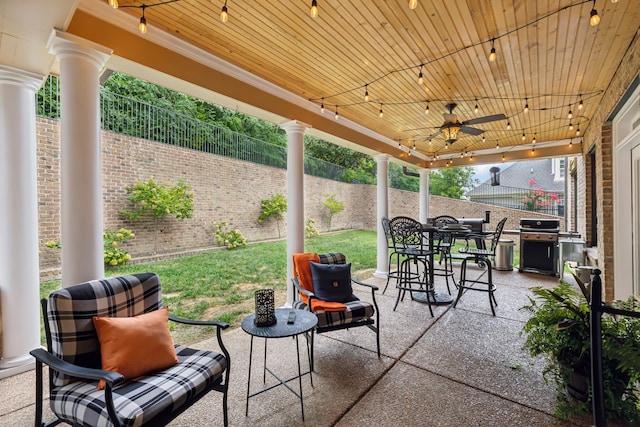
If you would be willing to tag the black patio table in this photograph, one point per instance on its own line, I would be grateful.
(437, 298)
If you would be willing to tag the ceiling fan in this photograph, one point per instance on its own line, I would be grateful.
(451, 126)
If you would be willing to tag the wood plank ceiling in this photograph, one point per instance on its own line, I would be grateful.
(548, 56)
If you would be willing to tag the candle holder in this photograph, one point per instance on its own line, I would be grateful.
(265, 308)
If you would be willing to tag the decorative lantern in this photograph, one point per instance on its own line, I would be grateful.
(265, 308)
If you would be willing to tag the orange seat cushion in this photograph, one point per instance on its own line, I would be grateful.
(135, 346)
(302, 270)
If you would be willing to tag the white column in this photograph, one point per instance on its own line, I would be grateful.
(424, 196)
(382, 200)
(295, 197)
(81, 164)
(19, 262)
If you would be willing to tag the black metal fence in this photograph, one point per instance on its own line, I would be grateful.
(127, 116)
(528, 199)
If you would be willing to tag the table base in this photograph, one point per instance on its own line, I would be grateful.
(434, 297)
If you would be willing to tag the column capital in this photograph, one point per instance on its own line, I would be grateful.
(18, 77)
(382, 157)
(424, 172)
(294, 126)
(65, 45)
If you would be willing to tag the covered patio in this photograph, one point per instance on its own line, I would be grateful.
(462, 367)
(529, 80)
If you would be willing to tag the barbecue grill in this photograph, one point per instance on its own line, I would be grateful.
(539, 245)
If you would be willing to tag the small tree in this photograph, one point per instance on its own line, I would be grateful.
(159, 200)
(334, 206)
(275, 206)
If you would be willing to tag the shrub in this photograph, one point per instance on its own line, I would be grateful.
(275, 207)
(229, 238)
(113, 256)
(310, 229)
(335, 206)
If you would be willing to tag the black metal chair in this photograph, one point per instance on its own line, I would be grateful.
(483, 258)
(409, 242)
(393, 254)
(443, 242)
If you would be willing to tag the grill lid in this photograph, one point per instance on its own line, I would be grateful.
(539, 224)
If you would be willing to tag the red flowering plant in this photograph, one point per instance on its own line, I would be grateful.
(537, 199)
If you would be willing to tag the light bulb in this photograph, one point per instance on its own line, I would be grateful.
(420, 78)
(526, 107)
(313, 12)
(570, 115)
(595, 18)
(414, 145)
(413, 4)
(578, 132)
(497, 146)
(533, 149)
(476, 108)
(580, 105)
(113, 3)
(571, 143)
(426, 109)
(492, 55)
(381, 113)
(614, 1)
(337, 116)
(534, 139)
(142, 26)
(366, 95)
(570, 126)
(508, 125)
(503, 157)
(224, 14)
(523, 137)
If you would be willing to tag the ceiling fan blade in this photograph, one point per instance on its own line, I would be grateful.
(433, 135)
(471, 131)
(485, 119)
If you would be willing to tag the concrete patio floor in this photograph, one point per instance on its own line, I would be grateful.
(462, 367)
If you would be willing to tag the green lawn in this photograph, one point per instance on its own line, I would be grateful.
(219, 285)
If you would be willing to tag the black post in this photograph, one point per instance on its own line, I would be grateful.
(599, 417)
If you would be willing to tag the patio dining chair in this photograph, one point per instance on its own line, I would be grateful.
(443, 242)
(409, 241)
(482, 257)
(324, 285)
(112, 361)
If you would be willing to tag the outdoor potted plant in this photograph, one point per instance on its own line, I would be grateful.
(559, 330)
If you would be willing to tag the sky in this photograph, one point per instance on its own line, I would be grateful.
(482, 171)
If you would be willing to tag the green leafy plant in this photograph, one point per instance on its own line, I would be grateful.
(310, 229)
(113, 255)
(230, 238)
(274, 206)
(559, 330)
(160, 201)
(335, 207)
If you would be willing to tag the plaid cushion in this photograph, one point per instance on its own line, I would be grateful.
(333, 258)
(80, 403)
(356, 311)
(70, 312)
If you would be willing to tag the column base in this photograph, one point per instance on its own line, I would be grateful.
(381, 274)
(16, 365)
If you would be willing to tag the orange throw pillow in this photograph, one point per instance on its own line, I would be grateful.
(135, 346)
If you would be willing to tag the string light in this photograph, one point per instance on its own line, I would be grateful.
(322, 106)
(414, 145)
(113, 3)
(475, 109)
(571, 143)
(313, 12)
(508, 125)
(471, 158)
(534, 139)
(526, 105)
(366, 93)
(399, 145)
(420, 76)
(337, 116)
(497, 146)
(503, 157)
(594, 18)
(381, 113)
(578, 132)
(224, 13)
(426, 109)
(492, 53)
(142, 26)
(580, 104)
(570, 126)
(413, 4)
(523, 136)
(570, 115)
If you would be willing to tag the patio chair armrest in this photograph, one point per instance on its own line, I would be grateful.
(220, 325)
(59, 365)
(302, 290)
(368, 285)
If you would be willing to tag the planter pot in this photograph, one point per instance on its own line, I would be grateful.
(578, 386)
